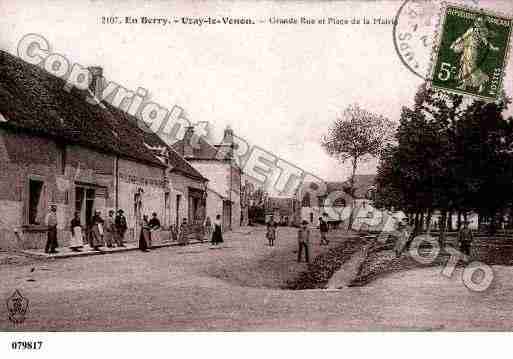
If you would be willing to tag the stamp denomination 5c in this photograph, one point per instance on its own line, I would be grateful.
(471, 52)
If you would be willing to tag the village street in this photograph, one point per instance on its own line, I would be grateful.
(237, 287)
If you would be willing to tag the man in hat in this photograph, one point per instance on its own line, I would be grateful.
(403, 235)
(51, 222)
(121, 227)
(465, 238)
(323, 227)
(303, 241)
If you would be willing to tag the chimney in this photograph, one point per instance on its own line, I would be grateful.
(96, 81)
(187, 142)
(228, 136)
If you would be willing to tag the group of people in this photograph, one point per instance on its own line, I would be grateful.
(98, 233)
(213, 231)
(109, 232)
(147, 228)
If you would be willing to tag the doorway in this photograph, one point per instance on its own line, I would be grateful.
(227, 215)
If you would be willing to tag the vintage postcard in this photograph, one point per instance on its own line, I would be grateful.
(254, 166)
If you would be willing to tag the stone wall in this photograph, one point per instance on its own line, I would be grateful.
(142, 182)
(62, 168)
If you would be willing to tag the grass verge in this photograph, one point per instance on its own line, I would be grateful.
(325, 265)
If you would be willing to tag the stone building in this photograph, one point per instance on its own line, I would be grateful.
(360, 205)
(187, 187)
(216, 163)
(64, 147)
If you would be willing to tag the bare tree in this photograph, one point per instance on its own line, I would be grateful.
(357, 135)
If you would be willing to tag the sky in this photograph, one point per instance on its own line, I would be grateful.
(277, 86)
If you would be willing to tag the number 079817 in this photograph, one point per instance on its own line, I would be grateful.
(26, 345)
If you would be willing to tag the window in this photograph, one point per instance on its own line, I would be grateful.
(35, 201)
(306, 200)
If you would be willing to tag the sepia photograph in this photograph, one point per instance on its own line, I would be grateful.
(217, 167)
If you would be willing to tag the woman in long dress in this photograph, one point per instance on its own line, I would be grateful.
(208, 228)
(144, 237)
(217, 236)
(77, 241)
(97, 232)
(183, 238)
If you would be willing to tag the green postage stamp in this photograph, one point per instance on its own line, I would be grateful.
(471, 53)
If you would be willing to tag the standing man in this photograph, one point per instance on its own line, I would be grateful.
(303, 240)
(323, 227)
(51, 222)
(402, 238)
(465, 239)
(121, 227)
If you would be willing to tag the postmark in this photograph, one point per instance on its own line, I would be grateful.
(17, 306)
(471, 52)
(414, 32)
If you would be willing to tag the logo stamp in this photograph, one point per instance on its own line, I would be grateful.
(17, 305)
(471, 52)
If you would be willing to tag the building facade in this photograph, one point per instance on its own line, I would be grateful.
(225, 177)
(332, 199)
(71, 150)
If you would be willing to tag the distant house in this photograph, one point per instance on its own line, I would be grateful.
(285, 211)
(225, 178)
(336, 201)
(65, 147)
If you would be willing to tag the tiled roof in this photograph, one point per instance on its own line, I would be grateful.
(35, 101)
(362, 183)
(154, 143)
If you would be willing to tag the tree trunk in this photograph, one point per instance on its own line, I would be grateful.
(428, 220)
(443, 222)
(459, 220)
(351, 181)
(421, 225)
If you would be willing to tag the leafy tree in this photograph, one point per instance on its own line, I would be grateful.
(357, 136)
(451, 155)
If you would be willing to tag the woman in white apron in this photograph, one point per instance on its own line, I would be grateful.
(77, 241)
